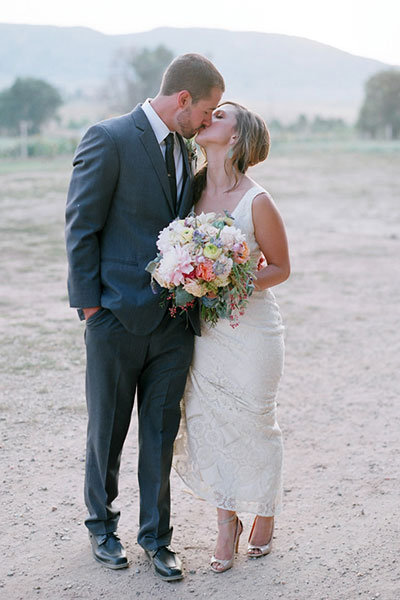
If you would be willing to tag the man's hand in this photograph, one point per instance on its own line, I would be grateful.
(88, 312)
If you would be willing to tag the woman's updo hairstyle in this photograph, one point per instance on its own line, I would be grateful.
(253, 140)
(251, 147)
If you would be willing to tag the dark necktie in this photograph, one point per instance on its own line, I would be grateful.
(170, 162)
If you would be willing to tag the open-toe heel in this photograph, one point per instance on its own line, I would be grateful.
(262, 550)
(224, 565)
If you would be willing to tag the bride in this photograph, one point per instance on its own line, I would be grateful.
(229, 448)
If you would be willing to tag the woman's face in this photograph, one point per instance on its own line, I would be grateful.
(222, 128)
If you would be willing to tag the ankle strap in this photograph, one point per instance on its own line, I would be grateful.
(227, 520)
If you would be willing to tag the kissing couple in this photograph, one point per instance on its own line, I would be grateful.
(132, 176)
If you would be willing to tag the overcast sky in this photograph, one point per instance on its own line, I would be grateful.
(368, 28)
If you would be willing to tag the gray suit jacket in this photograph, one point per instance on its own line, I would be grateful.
(118, 201)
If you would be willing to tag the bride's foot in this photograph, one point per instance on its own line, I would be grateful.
(227, 544)
(260, 540)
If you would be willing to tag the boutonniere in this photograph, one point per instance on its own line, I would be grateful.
(192, 152)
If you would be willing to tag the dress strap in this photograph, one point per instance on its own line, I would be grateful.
(249, 196)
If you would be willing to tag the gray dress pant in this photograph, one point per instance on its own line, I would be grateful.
(119, 364)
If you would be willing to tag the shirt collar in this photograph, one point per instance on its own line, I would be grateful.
(157, 124)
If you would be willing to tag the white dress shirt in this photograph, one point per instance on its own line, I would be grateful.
(161, 131)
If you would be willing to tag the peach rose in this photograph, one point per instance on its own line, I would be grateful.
(194, 288)
(205, 271)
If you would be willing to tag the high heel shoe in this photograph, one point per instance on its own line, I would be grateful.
(227, 564)
(263, 550)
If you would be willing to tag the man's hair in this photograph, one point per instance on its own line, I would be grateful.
(194, 73)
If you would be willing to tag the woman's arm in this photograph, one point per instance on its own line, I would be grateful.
(271, 237)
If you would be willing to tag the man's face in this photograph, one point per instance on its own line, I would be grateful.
(197, 116)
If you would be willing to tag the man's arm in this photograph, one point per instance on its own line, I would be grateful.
(95, 174)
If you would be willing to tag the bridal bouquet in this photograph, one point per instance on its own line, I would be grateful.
(204, 257)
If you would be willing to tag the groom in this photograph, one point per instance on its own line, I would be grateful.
(131, 178)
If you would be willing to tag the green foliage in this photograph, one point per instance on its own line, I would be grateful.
(321, 125)
(149, 66)
(380, 113)
(39, 146)
(31, 100)
(303, 126)
(136, 75)
(182, 297)
(42, 147)
(78, 123)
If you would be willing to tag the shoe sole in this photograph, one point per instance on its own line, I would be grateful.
(258, 555)
(114, 567)
(172, 578)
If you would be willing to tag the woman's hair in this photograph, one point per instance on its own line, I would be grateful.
(251, 147)
(194, 73)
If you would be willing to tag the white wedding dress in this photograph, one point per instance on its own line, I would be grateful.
(229, 446)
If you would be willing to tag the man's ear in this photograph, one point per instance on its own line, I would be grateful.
(183, 99)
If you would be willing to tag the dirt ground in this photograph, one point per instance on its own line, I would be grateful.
(338, 535)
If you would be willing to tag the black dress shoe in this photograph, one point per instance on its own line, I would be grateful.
(108, 550)
(166, 563)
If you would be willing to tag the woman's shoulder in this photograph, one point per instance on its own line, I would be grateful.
(263, 204)
(261, 197)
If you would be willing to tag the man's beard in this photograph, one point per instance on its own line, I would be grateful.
(185, 124)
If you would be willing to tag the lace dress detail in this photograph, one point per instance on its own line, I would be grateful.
(229, 446)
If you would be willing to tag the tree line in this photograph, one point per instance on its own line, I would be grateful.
(304, 125)
(29, 103)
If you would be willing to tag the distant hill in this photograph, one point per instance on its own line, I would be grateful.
(279, 75)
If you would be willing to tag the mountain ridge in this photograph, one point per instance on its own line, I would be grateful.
(277, 74)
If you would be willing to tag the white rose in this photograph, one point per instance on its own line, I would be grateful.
(222, 280)
(231, 235)
(177, 225)
(186, 235)
(205, 218)
(160, 280)
(209, 230)
(194, 288)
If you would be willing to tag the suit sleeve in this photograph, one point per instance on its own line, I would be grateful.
(93, 181)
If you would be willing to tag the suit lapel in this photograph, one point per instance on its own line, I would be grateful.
(185, 202)
(153, 150)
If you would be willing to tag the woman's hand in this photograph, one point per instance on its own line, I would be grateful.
(261, 263)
